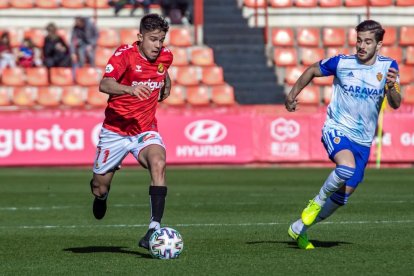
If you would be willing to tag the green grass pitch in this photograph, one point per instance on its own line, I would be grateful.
(233, 221)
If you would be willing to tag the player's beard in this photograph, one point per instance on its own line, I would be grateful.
(367, 55)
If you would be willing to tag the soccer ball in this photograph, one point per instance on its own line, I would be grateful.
(166, 243)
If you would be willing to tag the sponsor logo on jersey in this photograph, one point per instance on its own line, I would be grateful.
(350, 74)
(138, 68)
(161, 69)
(109, 68)
(362, 92)
(151, 84)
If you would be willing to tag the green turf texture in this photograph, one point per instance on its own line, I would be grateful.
(233, 221)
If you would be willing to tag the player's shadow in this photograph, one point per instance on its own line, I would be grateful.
(105, 249)
(293, 245)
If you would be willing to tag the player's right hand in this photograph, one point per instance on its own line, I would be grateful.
(290, 104)
(142, 92)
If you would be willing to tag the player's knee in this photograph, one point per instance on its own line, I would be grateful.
(98, 190)
(158, 164)
(344, 172)
(340, 198)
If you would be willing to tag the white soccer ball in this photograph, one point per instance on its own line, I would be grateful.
(166, 243)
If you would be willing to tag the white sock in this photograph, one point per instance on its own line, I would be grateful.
(298, 227)
(154, 225)
(331, 185)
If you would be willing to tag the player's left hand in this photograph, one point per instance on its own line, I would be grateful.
(290, 104)
(392, 75)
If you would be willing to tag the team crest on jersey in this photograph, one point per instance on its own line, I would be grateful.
(379, 76)
(337, 140)
(161, 69)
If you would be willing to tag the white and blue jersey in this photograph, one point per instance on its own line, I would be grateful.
(358, 92)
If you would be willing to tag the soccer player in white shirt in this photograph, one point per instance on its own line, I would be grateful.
(361, 83)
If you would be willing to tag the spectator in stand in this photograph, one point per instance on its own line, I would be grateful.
(177, 11)
(55, 50)
(120, 4)
(7, 58)
(83, 42)
(28, 55)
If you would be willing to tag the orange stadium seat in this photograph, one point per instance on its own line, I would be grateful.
(61, 76)
(404, 3)
(15, 35)
(283, 37)
(98, 4)
(212, 75)
(308, 36)
(74, 96)
(4, 4)
(128, 36)
(311, 55)
(352, 37)
(333, 36)
(255, 3)
(406, 35)
(327, 94)
(37, 76)
(88, 76)
(22, 4)
(293, 73)
(223, 95)
(323, 81)
(108, 38)
(180, 37)
(73, 4)
(392, 52)
(13, 76)
(281, 3)
(380, 3)
(285, 56)
(64, 34)
(306, 3)
(47, 4)
(330, 3)
(334, 51)
(408, 94)
(202, 56)
(198, 95)
(356, 3)
(5, 95)
(102, 56)
(49, 96)
(310, 95)
(390, 37)
(24, 96)
(188, 75)
(180, 56)
(177, 96)
(409, 55)
(96, 98)
(406, 73)
(37, 36)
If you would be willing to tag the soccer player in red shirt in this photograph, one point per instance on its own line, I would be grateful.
(135, 78)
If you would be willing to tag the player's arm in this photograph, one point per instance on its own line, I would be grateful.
(392, 88)
(165, 90)
(307, 76)
(112, 87)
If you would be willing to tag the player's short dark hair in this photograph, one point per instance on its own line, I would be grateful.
(152, 22)
(373, 26)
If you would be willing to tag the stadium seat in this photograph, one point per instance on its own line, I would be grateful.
(223, 95)
(408, 94)
(406, 35)
(95, 98)
(255, 3)
(330, 3)
(73, 96)
(188, 75)
(404, 3)
(390, 37)
(310, 95)
(177, 96)
(409, 55)
(308, 36)
(212, 75)
(392, 52)
(64, 34)
(108, 38)
(47, 4)
(334, 51)
(16, 36)
(37, 76)
(98, 4)
(283, 37)
(88, 76)
(73, 4)
(380, 3)
(13, 76)
(198, 95)
(355, 3)
(61, 76)
(293, 73)
(180, 56)
(327, 94)
(406, 73)
(128, 36)
(352, 37)
(285, 56)
(180, 37)
(24, 96)
(37, 36)
(49, 96)
(102, 56)
(4, 4)
(333, 36)
(202, 56)
(306, 3)
(5, 95)
(281, 3)
(311, 55)
(322, 81)
(22, 4)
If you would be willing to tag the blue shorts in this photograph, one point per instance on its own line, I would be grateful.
(334, 141)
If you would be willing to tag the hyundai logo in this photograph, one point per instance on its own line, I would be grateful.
(205, 132)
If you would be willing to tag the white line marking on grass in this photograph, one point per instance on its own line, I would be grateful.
(196, 224)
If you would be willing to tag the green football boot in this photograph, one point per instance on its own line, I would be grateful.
(301, 239)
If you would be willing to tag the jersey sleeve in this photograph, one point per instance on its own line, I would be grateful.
(328, 66)
(167, 57)
(117, 63)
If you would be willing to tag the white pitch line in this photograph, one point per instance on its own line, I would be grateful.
(196, 224)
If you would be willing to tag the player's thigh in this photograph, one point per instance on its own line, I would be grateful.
(150, 149)
(338, 147)
(152, 155)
